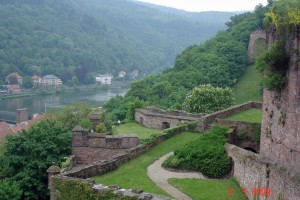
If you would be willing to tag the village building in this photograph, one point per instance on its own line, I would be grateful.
(51, 80)
(105, 79)
(17, 76)
(121, 74)
(22, 123)
(134, 74)
(36, 79)
(13, 89)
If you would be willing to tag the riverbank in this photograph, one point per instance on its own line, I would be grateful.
(63, 89)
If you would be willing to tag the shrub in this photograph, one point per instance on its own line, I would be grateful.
(170, 132)
(207, 155)
(10, 190)
(273, 64)
(208, 99)
(191, 126)
(100, 128)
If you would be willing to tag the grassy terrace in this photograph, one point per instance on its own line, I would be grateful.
(209, 189)
(250, 115)
(248, 87)
(132, 128)
(133, 174)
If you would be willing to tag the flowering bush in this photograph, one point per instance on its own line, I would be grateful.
(208, 99)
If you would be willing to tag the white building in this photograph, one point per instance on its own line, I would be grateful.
(121, 74)
(105, 79)
(51, 80)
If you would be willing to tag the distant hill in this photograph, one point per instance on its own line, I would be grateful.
(70, 38)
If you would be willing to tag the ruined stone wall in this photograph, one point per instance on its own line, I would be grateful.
(251, 47)
(156, 122)
(225, 113)
(280, 137)
(257, 171)
(90, 147)
(64, 186)
(155, 118)
(103, 166)
(244, 134)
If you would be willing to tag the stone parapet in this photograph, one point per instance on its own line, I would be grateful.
(258, 171)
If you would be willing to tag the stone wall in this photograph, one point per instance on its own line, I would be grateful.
(161, 119)
(208, 119)
(90, 147)
(257, 171)
(103, 166)
(280, 138)
(62, 184)
(100, 167)
(251, 47)
(244, 134)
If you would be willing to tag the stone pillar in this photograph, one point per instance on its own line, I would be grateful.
(80, 137)
(52, 171)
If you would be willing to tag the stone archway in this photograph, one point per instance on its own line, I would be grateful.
(141, 120)
(165, 125)
(260, 46)
(257, 44)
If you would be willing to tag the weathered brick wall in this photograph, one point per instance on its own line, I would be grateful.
(256, 171)
(280, 138)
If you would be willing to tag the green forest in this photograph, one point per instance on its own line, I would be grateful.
(77, 38)
(219, 62)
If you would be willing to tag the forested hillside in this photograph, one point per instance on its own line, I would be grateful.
(70, 38)
(220, 62)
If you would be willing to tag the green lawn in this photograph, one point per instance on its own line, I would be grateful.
(209, 189)
(248, 87)
(132, 128)
(250, 115)
(133, 174)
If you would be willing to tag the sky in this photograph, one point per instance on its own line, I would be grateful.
(209, 5)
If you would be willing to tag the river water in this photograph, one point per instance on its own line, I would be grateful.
(40, 104)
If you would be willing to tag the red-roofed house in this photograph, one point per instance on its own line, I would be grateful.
(16, 76)
(14, 89)
(6, 129)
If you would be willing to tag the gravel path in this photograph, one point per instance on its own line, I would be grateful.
(160, 177)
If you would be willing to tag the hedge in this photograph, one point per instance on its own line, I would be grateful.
(206, 155)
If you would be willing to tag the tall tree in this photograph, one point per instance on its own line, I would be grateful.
(30, 153)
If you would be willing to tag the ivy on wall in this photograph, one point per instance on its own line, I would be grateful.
(273, 64)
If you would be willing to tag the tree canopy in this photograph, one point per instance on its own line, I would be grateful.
(29, 154)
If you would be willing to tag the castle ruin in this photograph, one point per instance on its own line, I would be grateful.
(277, 167)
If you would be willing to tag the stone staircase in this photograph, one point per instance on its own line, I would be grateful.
(209, 127)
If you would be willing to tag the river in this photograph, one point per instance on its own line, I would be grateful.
(40, 104)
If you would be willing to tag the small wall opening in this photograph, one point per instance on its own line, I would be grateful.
(141, 120)
(250, 149)
(260, 46)
(165, 125)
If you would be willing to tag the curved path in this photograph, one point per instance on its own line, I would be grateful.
(160, 177)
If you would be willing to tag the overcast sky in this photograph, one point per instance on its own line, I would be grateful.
(209, 5)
